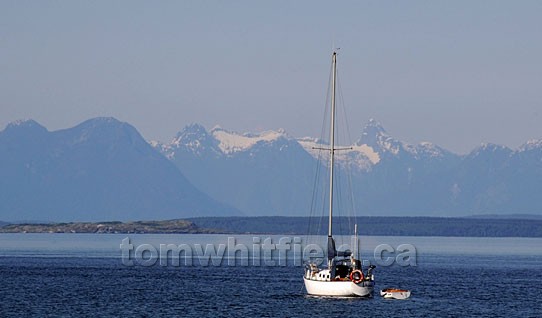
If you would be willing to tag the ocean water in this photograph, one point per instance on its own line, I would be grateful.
(51, 275)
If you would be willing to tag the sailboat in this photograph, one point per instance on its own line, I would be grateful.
(344, 275)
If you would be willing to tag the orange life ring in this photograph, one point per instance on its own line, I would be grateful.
(359, 276)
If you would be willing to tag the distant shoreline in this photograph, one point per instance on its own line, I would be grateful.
(114, 227)
(380, 226)
(477, 226)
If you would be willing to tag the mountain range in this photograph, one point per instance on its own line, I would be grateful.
(103, 169)
(272, 173)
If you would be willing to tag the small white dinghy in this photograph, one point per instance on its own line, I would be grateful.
(394, 293)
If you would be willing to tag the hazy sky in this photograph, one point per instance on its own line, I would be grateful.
(456, 73)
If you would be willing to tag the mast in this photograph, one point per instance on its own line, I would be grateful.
(331, 251)
(332, 141)
(356, 247)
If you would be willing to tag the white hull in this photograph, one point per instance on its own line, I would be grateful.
(395, 294)
(337, 288)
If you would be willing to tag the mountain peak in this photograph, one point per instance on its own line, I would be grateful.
(194, 137)
(372, 132)
(193, 128)
(373, 121)
(374, 125)
(101, 121)
(104, 131)
(98, 125)
(25, 124)
(217, 128)
(491, 146)
(531, 145)
(489, 149)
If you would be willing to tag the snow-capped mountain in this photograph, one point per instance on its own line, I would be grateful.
(375, 138)
(374, 145)
(195, 139)
(272, 173)
(249, 171)
(101, 169)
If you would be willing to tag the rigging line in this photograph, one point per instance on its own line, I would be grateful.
(349, 140)
(316, 198)
(318, 164)
(312, 205)
(341, 98)
(345, 211)
(339, 203)
(327, 105)
(345, 195)
(327, 110)
(323, 201)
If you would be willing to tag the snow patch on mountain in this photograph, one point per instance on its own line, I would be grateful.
(154, 143)
(361, 156)
(425, 150)
(309, 144)
(430, 149)
(531, 145)
(165, 149)
(21, 122)
(231, 142)
(368, 152)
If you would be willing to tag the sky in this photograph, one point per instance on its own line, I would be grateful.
(455, 73)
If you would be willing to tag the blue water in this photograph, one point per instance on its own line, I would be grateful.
(83, 275)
